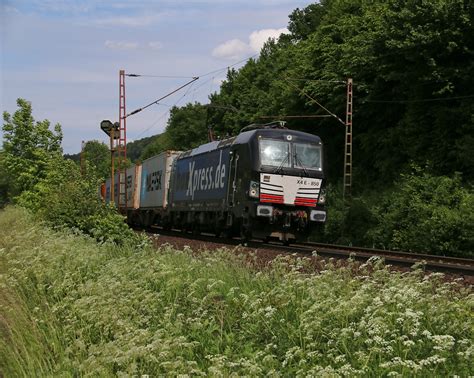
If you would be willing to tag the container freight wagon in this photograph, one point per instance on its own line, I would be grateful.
(132, 182)
(153, 191)
(267, 182)
(108, 191)
(134, 174)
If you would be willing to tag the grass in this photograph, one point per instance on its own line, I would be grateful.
(72, 307)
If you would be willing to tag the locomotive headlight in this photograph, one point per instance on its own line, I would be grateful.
(264, 211)
(322, 197)
(254, 190)
(317, 216)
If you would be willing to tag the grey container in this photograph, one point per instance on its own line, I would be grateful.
(133, 186)
(108, 193)
(155, 178)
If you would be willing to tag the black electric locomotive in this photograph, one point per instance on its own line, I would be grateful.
(266, 182)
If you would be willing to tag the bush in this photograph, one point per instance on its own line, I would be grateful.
(75, 308)
(67, 199)
(347, 222)
(110, 227)
(427, 213)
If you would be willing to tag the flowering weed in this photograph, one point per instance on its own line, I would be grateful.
(72, 307)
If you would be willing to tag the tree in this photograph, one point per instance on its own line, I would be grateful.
(4, 181)
(427, 213)
(96, 154)
(303, 22)
(136, 148)
(413, 69)
(160, 143)
(28, 146)
(187, 126)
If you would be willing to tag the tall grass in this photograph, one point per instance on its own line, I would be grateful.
(72, 307)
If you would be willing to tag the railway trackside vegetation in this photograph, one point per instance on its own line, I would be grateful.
(73, 307)
(36, 176)
(422, 212)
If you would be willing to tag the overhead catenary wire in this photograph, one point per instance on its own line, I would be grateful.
(160, 76)
(161, 98)
(175, 103)
(316, 80)
(227, 67)
(194, 78)
(166, 112)
(315, 101)
(153, 123)
(419, 100)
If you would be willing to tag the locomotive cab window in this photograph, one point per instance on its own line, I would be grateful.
(307, 156)
(275, 153)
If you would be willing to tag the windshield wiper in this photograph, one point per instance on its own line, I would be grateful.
(280, 167)
(300, 163)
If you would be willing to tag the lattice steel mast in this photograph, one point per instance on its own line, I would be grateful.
(347, 188)
(121, 146)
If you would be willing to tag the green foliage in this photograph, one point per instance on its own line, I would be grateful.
(412, 68)
(427, 213)
(37, 177)
(28, 147)
(107, 226)
(160, 144)
(348, 222)
(420, 213)
(187, 126)
(65, 198)
(4, 181)
(71, 307)
(186, 129)
(136, 148)
(303, 22)
(96, 155)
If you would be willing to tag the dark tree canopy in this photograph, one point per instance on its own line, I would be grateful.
(413, 69)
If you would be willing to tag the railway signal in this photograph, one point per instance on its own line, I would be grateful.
(112, 130)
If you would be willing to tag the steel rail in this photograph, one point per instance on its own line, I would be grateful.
(432, 263)
(403, 259)
(388, 252)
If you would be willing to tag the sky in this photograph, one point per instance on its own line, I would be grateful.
(65, 56)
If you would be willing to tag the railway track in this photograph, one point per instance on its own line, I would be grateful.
(432, 263)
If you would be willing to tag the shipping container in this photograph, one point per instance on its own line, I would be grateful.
(133, 186)
(155, 177)
(108, 191)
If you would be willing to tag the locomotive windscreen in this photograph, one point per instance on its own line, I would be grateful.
(278, 153)
(306, 156)
(275, 153)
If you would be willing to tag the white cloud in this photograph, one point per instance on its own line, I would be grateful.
(258, 38)
(233, 49)
(8, 9)
(236, 49)
(155, 45)
(132, 21)
(121, 45)
(128, 45)
(62, 6)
